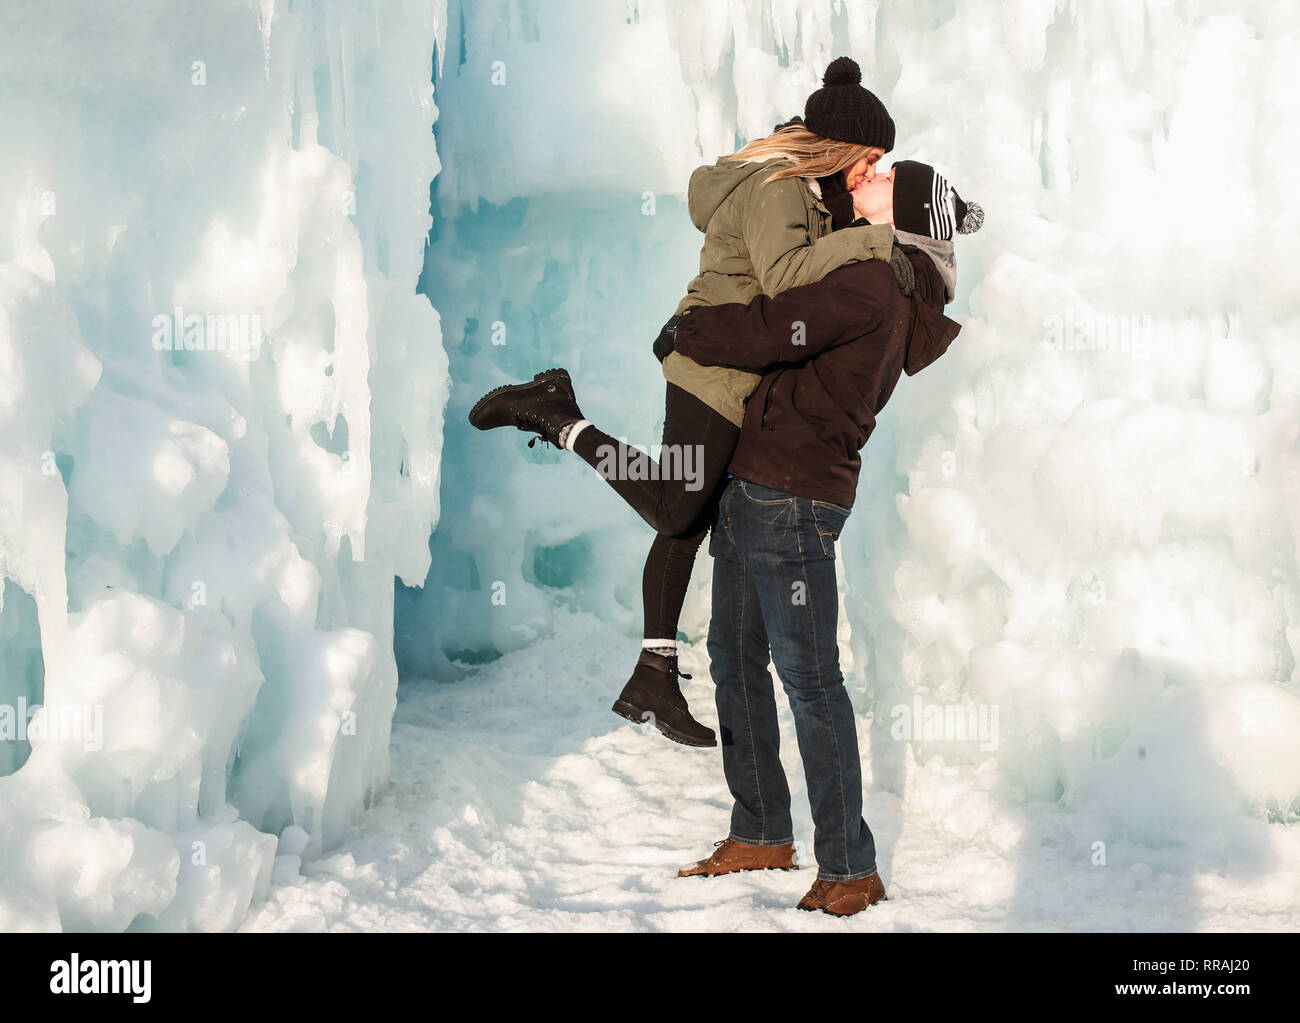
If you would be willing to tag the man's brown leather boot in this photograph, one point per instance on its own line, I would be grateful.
(844, 898)
(731, 856)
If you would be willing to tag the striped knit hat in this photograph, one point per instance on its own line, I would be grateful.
(924, 203)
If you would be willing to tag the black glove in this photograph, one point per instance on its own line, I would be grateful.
(904, 272)
(796, 119)
(666, 343)
(837, 198)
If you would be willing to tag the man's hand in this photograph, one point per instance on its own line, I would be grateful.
(666, 343)
(904, 272)
(836, 198)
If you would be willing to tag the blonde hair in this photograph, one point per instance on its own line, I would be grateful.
(808, 154)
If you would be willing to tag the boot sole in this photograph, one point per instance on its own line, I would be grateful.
(739, 870)
(546, 374)
(625, 710)
(831, 912)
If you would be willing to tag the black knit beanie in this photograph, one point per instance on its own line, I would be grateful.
(924, 203)
(845, 111)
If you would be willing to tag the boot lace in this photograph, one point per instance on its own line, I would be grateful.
(673, 669)
(532, 422)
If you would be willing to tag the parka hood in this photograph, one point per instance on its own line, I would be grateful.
(712, 184)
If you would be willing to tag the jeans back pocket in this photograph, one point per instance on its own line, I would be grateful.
(829, 520)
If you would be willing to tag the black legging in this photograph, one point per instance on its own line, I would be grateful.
(680, 510)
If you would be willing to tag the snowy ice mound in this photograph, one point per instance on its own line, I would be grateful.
(221, 400)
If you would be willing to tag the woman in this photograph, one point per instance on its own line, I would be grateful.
(772, 216)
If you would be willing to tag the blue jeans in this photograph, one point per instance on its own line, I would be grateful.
(774, 588)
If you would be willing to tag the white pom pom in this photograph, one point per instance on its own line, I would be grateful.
(973, 220)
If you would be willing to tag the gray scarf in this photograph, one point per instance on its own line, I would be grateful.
(941, 252)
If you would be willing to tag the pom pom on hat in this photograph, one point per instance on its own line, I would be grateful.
(973, 220)
(843, 71)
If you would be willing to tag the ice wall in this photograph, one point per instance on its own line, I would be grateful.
(1096, 531)
(1083, 518)
(221, 400)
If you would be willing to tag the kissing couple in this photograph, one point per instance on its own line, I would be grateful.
(822, 280)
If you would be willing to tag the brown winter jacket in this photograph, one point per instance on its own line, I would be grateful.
(831, 354)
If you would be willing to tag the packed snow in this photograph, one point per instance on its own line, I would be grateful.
(1071, 600)
(524, 806)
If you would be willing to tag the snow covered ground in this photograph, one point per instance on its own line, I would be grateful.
(519, 802)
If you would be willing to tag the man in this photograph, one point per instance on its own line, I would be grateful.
(795, 471)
